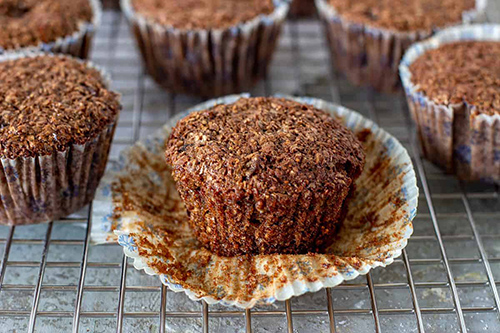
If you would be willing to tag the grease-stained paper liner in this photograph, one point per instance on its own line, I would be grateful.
(138, 201)
(207, 62)
(456, 137)
(368, 55)
(77, 44)
(44, 188)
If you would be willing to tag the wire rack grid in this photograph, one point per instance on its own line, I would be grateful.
(52, 279)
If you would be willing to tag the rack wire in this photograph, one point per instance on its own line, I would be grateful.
(53, 279)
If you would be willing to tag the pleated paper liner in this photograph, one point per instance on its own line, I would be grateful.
(138, 206)
(456, 137)
(369, 55)
(211, 62)
(77, 44)
(45, 188)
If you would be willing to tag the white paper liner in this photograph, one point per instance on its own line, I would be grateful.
(370, 55)
(209, 62)
(138, 206)
(457, 137)
(44, 188)
(77, 44)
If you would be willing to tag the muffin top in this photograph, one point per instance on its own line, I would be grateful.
(51, 102)
(403, 15)
(265, 145)
(467, 71)
(30, 22)
(202, 14)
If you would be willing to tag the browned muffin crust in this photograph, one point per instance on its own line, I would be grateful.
(459, 72)
(202, 14)
(51, 102)
(404, 15)
(263, 175)
(29, 22)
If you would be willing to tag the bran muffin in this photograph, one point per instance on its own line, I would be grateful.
(57, 120)
(58, 26)
(467, 95)
(206, 47)
(263, 175)
(367, 38)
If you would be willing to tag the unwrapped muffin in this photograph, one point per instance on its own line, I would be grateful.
(57, 26)
(368, 38)
(206, 47)
(57, 119)
(452, 84)
(263, 175)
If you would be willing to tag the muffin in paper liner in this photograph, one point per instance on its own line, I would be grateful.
(456, 137)
(138, 206)
(207, 62)
(47, 187)
(77, 44)
(369, 55)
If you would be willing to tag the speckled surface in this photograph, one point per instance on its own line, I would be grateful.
(290, 64)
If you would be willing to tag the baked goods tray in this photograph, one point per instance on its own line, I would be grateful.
(53, 279)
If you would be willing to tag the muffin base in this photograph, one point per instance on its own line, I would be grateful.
(457, 139)
(45, 188)
(299, 225)
(207, 62)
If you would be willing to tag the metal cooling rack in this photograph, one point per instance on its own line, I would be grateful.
(53, 280)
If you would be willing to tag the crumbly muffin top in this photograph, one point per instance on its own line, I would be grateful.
(202, 14)
(51, 102)
(267, 145)
(29, 22)
(403, 15)
(467, 71)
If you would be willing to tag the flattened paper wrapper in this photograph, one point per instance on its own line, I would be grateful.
(77, 44)
(138, 206)
(369, 55)
(456, 137)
